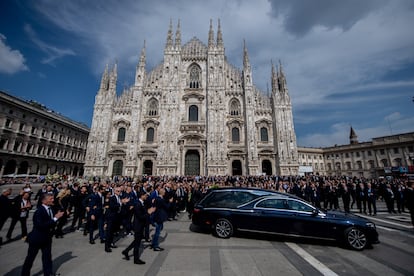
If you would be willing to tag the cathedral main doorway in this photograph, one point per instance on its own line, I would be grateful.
(117, 167)
(236, 167)
(147, 170)
(192, 163)
(267, 167)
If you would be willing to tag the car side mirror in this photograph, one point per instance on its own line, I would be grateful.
(315, 212)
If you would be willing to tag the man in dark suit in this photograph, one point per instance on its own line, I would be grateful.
(95, 214)
(141, 216)
(160, 216)
(112, 217)
(5, 208)
(40, 238)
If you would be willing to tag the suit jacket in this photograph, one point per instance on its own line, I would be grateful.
(43, 227)
(114, 208)
(161, 213)
(5, 206)
(95, 205)
(140, 217)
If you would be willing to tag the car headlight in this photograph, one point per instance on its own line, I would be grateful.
(370, 225)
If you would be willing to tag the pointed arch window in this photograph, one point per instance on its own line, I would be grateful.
(152, 107)
(264, 135)
(193, 113)
(194, 76)
(235, 107)
(121, 134)
(235, 135)
(150, 135)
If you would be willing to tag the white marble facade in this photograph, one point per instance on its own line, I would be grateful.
(193, 114)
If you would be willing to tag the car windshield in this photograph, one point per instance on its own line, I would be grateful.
(228, 199)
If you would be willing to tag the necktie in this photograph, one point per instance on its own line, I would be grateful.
(50, 213)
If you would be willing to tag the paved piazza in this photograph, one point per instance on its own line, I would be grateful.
(198, 253)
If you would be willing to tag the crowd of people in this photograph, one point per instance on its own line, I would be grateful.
(107, 210)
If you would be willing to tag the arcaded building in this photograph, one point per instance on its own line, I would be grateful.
(193, 114)
(36, 141)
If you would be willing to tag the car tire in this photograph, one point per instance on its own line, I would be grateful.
(355, 238)
(223, 228)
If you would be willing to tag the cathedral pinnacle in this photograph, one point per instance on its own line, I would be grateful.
(211, 35)
(105, 79)
(169, 36)
(142, 57)
(178, 35)
(219, 36)
(246, 62)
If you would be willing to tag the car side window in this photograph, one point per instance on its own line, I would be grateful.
(273, 203)
(228, 199)
(299, 206)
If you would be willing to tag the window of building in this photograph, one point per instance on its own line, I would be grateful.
(347, 155)
(16, 146)
(193, 113)
(410, 148)
(8, 123)
(263, 135)
(348, 165)
(369, 153)
(357, 154)
(384, 162)
(121, 134)
(34, 130)
(396, 150)
(235, 135)
(382, 151)
(150, 135)
(3, 143)
(194, 76)
(22, 126)
(235, 107)
(359, 165)
(153, 107)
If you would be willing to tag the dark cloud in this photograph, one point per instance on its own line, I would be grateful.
(300, 16)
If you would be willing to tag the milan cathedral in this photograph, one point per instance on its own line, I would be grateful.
(193, 114)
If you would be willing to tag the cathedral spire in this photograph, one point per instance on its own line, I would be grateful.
(211, 35)
(274, 82)
(142, 58)
(219, 36)
(178, 36)
(246, 62)
(353, 138)
(113, 77)
(281, 78)
(169, 43)
(140, 71)
(105, 79)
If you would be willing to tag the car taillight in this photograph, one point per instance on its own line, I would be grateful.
(196, 210)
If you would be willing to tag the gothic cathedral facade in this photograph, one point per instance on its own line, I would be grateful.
(193, 114)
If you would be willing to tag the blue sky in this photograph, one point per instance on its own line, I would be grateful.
(347, 62)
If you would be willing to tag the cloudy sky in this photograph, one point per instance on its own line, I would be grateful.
(348, 63)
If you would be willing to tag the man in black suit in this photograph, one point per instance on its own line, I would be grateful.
(40, 238)
(141, 216)
(95, 214)
(160, 216)
(112, 217)
(5, 208)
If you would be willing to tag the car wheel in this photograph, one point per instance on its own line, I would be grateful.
(355, 238)
(223, 228)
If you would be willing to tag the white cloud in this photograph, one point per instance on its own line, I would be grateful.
(332, 53)
(52, 52)
(11, 61)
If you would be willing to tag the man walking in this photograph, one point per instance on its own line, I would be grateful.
(141, 217)
(40, 238)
